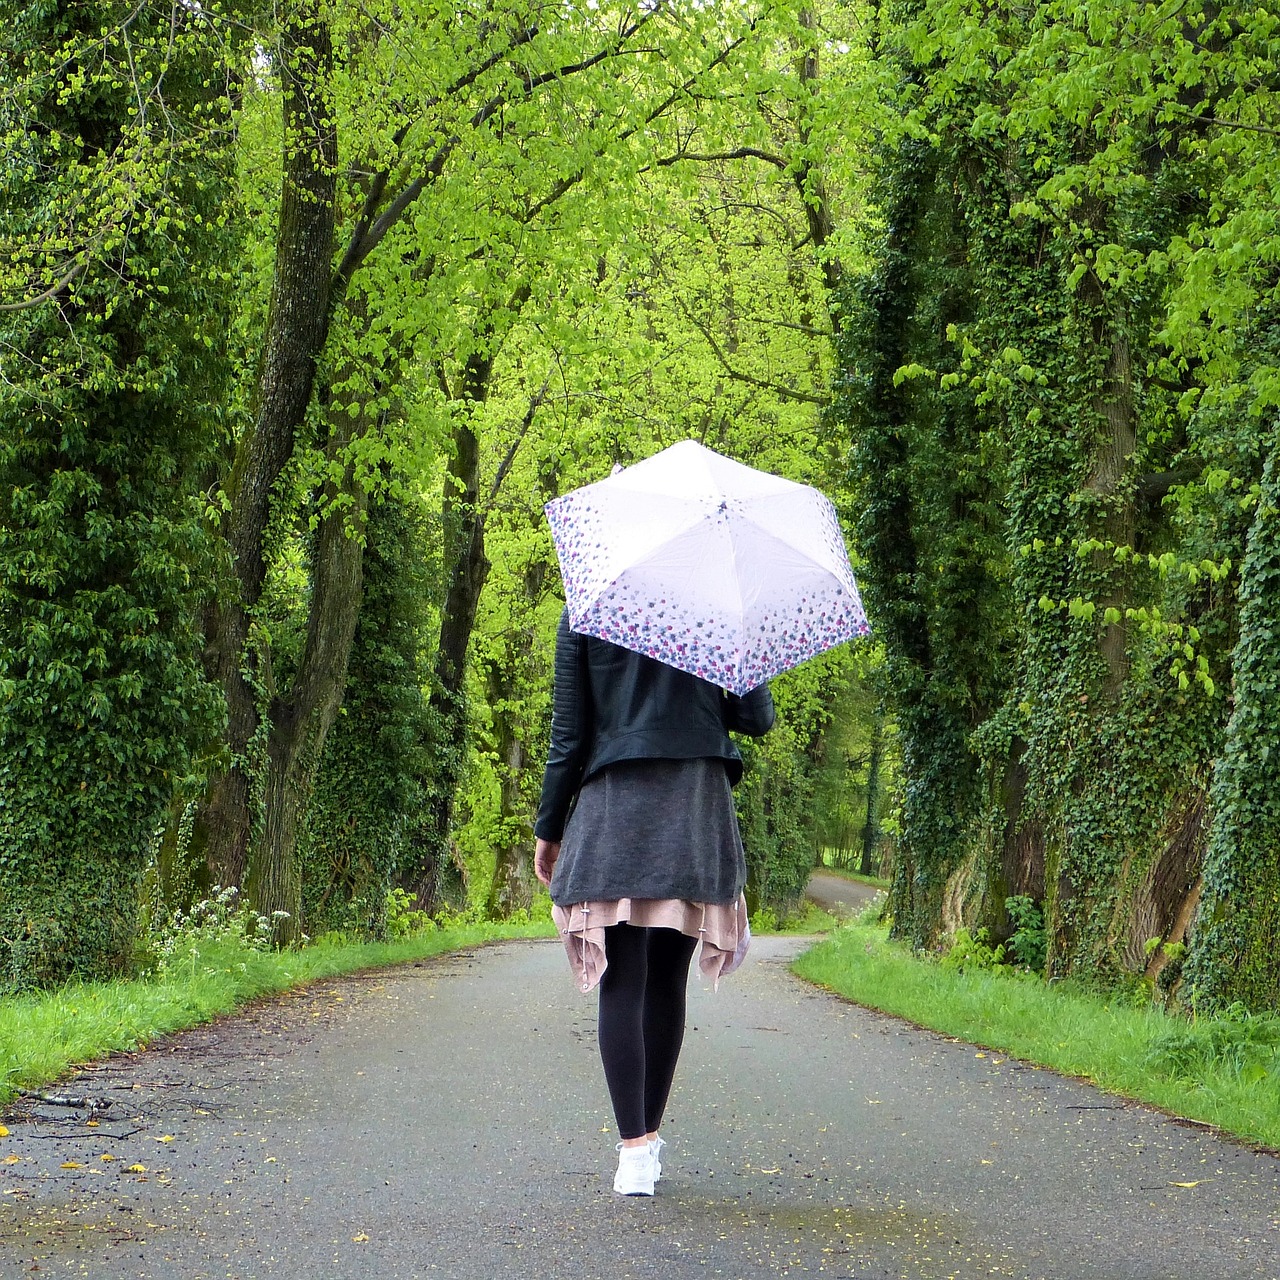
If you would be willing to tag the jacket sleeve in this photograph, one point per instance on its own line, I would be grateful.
(571, 725)
(751, 714)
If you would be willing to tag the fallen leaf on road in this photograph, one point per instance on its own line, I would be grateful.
(11, 1159)
(91, 1124)
(106, 1157)
(72, 1164)
(4, 1133)
(168, 1137)
(136, 1168)
(1189, 1184)
(360, 1239)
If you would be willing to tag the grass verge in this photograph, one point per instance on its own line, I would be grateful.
(45, 1034)
(1223, 1072)
(809, 919)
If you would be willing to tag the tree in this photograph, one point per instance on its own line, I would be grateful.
(376, 268)
(1088, 167)
(1236, 955)
(369, 785)
(116, 224)
(703, 313)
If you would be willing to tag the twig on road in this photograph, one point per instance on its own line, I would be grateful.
(85, 1100)
(95, 1134)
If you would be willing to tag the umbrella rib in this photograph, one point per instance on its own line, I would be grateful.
(798, 542)
(736, 578)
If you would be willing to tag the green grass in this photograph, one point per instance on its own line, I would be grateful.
(1225, 1073)
(809, 918)
(45, 1034)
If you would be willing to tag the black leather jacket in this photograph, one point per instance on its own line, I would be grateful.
(611, 704)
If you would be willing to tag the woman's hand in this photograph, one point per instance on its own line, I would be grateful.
(544, 859)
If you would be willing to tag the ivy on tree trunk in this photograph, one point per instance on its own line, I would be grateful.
(1235, 954)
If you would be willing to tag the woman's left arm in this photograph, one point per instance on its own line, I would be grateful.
(752, 713)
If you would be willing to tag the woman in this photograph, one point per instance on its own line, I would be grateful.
(638, 842)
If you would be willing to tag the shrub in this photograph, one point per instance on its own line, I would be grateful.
(182, 940)
(1029, 943)
(1247, 1047)
(404, 920)
(973, 951)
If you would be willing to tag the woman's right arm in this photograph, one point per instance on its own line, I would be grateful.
(570, 733)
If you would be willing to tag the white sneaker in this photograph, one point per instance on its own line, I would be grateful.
(635, 1171)
(655, 1150)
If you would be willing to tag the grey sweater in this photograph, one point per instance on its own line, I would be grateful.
(652, 829)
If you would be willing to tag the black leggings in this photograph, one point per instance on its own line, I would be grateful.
(642, 998)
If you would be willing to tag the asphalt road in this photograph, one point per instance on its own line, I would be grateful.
(449, 1120)
(837, 895)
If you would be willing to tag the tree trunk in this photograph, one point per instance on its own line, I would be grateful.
(808, 177)
(300, 722)
(1115, 522)
(513, 863)
(1021, 842)
(296, 330)
(513, 880)
(937, 764)
(1235, 947)
(468, 568)
(1086, 874)
(871, 829)
(447, 706)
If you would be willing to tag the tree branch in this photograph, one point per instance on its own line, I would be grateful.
(566, 184)
(535, 403)
(356, 250)
(359, 250)
(1156, 485)
(1225, 124)
(50, 291)
(808, 177)
(787, 393)
(739, 153)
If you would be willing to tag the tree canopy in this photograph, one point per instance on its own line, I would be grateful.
(306, 312)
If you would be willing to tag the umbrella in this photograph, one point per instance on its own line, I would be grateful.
(707, 565)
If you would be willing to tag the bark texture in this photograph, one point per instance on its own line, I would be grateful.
(300, 721)
(297, 327)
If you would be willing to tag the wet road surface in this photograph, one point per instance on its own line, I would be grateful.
(449, 1119)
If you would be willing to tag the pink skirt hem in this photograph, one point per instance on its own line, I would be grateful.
(722, 929)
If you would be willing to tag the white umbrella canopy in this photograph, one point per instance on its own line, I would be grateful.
(708, 565)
